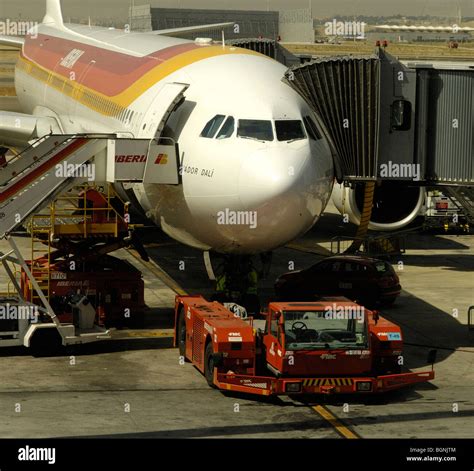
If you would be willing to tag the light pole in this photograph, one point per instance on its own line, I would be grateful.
(132, 7)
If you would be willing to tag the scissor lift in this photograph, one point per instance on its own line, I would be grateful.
(71, 243)
(74, 224)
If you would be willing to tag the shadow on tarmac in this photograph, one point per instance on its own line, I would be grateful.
(315, 424)
(405, 312)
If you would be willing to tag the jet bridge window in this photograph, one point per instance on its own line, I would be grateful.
(213, 126)
(401, 115)
(227, 129)
(258, 130)
(289, 130)
(312, 129)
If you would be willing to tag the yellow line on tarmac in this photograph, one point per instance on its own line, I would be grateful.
(143, 334)
(167, 280)
(334, 421)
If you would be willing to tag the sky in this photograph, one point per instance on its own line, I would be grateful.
(118, 9)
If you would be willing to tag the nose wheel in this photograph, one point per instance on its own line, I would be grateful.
(237, 281)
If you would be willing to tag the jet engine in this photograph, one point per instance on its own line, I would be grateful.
(395, 204)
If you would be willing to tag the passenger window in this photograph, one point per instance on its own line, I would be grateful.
(289, 130)
(312, 129)
(213, 126)
(351, 267)
(255, 129)
(382, 267)
(227, 129)
(321, 267)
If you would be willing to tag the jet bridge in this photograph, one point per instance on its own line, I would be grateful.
(380, 112)
(408, 126)
(267, 47)
(391, 122)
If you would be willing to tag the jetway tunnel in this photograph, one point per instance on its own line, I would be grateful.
(268, 47)
(378, 112)
(393, 121)
(405, 126)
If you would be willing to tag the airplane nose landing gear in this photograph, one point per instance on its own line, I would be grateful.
(237, 281)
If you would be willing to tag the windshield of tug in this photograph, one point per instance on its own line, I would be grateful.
(323, 329)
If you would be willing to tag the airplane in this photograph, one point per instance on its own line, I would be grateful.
(257, 169)
(249, 143)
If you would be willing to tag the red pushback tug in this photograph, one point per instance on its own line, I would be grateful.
(329, 346)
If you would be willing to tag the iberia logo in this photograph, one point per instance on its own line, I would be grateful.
(162, 159)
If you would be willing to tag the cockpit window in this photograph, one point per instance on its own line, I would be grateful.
(255, 129)
(312, 129)
(227, 129)
(213, 126)
(289, 130)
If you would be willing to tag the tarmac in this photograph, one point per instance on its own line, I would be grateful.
(134, 385)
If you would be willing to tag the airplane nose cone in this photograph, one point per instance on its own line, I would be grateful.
(270, 175)
(287, 189)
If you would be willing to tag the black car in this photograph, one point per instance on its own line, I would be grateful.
(362, 279)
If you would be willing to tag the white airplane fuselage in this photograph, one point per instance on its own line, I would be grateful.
(95, 80)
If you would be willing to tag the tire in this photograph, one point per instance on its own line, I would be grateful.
(209, 365)
(46, 343)
(181, 334)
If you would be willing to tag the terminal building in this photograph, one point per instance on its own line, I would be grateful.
(406, 33)
(287, 25)
(247, 24)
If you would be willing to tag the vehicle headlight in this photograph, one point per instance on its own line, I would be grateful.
(293, 387)
(364, 386)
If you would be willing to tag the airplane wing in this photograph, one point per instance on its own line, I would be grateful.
(191, 29)
(11, 41)
(18, 129)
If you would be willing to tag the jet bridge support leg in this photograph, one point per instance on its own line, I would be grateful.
(363, 228)
(383, 245)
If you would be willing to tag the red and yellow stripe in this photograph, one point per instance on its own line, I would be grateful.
(105, 80)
